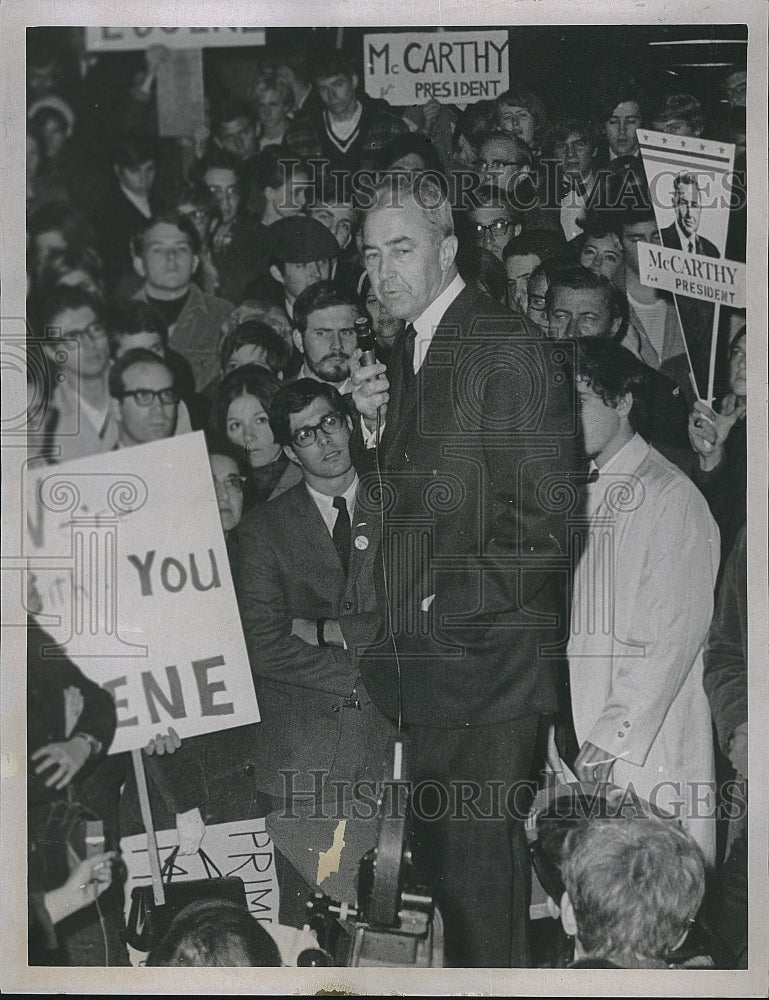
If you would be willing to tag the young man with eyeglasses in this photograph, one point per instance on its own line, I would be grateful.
(506, 161)
(494, 222)
(75, 418)
(308, 603)
(145, 400)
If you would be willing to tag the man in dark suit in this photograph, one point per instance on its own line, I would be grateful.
(682, 234)
(308, 603)
(479, 428)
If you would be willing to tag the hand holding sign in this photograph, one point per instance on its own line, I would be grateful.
(709, 430)
(164, 743)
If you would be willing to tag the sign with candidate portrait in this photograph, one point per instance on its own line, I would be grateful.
(453, 67)
(144, 605)
(692, 189)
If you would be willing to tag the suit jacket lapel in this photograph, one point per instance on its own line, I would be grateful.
(315, 534)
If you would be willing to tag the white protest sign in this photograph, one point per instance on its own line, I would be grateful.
(242, 848)
(456, 67)
(699, 277)
(132, 569)
(129, 39)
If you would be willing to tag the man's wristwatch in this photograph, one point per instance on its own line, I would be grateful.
(93, 744)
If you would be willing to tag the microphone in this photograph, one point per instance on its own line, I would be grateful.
(366, 342)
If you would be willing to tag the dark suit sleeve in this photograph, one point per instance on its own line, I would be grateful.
(529, 463)
(98, 717)
(725, 676)
(267, 614)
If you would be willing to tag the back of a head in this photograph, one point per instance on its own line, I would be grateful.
(215, 933)
(635, 885)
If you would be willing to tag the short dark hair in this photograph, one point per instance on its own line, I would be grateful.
(218, 444)
(132, 150)
(581, 278)
(295, 397)
(230, 111)
(542, 243)
(62, 298)
(332, 63)
(136, 356)
(321, 295)
(523, 149)
(493, 196)
(635, 885)
(571, 124)
(684, 179)
(215, 933)
(253, 331)
(61, 217)
(135, 316)
(216, 159)
(612, 371)
(411, 142)
(248, 380)
(171, 218)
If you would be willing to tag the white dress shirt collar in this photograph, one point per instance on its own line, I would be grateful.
(426, 323)
(325, 504)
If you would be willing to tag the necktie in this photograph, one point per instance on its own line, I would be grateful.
(592, 476)
(341, 533)
(691, 246)
(409, 376)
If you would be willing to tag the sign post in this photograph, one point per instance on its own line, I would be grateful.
(180, 74)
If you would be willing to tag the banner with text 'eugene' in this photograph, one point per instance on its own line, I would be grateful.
(132, 568)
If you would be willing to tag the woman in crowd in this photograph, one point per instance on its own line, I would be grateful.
(719, 439)
(600, 250)
(77, 268)
(239, 413)
(55, 227)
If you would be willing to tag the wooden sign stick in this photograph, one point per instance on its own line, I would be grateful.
(149, 826)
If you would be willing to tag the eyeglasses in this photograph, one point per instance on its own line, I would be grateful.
(196, 214)
(496, 165)
(496, 228)
(145, 397)
(330, 424)
(94, 331)
(232, 484)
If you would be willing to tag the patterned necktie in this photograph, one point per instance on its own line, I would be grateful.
(341, 533)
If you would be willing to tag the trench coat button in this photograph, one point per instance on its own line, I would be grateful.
(336, 709)
(348, 605)
(249, 769)
(621, 735)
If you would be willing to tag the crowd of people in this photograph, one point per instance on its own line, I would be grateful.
(515, 539)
